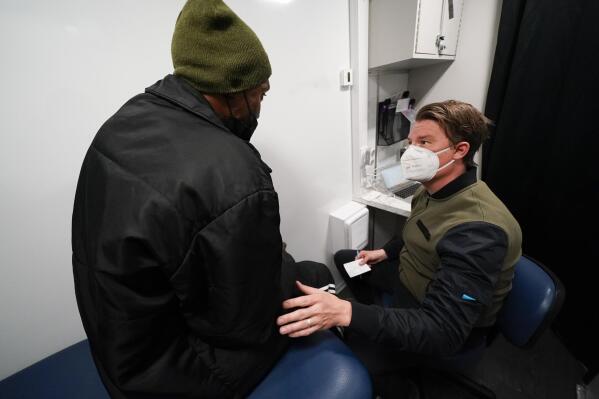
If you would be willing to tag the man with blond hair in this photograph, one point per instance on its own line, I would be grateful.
(449, 273)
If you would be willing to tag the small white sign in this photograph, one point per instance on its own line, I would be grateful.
(355, 269)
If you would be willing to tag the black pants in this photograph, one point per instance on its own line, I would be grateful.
(306, 272)
(388, 367)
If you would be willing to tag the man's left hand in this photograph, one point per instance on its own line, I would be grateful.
(317, 310)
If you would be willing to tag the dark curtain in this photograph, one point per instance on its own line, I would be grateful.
(542, 159)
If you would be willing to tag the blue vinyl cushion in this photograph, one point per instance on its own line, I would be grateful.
(319, 366)
(532, 298)
(67, 374)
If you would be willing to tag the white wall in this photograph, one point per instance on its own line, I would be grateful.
(305, 122)
(67, 65)
(466, 78)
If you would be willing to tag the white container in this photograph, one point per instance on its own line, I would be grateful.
(349, 227)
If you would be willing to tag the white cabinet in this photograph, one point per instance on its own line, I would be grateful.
(404, 34)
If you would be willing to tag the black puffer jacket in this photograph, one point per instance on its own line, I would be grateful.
(177, 251)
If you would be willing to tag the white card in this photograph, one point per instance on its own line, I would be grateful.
(355, 269)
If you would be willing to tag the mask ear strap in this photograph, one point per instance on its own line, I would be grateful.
(247, 103)
(443, 150)
(229, 106)
(446, 165)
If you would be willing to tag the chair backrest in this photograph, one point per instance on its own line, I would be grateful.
(536, 297)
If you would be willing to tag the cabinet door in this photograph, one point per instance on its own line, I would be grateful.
(450, 25)
(428, 26)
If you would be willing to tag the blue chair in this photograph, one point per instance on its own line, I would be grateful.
(536, 297)
(317, 366)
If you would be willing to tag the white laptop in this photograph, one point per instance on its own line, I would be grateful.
(397, 184)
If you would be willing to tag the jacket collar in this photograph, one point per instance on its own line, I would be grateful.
(462, 181)
(178, 91)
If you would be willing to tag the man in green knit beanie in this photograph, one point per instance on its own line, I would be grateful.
(177, 255)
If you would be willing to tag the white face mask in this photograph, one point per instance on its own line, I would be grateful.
(421, 164)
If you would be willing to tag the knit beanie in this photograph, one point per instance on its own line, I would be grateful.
(215, 51)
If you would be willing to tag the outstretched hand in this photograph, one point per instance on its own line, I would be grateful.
(372, 257)
(317, 310)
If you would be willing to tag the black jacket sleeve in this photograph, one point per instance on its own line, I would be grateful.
(235, 298)
(471, 256)
(229, 291)
(393, 247)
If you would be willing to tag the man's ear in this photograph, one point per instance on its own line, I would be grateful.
(461, 149)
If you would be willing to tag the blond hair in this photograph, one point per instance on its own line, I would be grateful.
(460, 121)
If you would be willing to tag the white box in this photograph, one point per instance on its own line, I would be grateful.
(349, 227)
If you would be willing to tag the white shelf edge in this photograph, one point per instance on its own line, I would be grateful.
(385, 202)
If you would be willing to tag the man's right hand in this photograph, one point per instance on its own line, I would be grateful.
(372, 257)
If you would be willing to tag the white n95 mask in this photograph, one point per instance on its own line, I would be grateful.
(421, 164)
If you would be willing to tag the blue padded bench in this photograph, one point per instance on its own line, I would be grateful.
(70, 373)
(317, 366)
